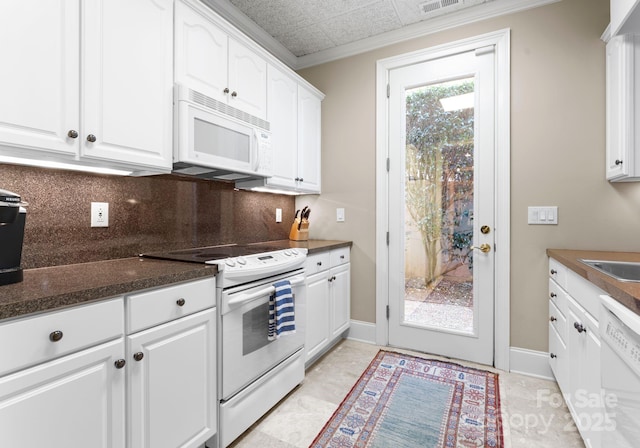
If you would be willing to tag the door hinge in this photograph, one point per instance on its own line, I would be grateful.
(388, 90)
(388, 164)
(387, 312)
(387, 238)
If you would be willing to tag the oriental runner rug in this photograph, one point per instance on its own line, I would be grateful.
(402, 401)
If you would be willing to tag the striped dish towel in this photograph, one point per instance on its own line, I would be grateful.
(281, 311)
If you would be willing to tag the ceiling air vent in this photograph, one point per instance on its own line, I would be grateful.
(428, 8)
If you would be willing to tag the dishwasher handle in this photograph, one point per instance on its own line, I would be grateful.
(243, 298)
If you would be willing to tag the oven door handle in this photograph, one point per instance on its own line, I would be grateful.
(243, 298)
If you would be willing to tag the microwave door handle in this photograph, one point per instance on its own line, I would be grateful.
(256, 152)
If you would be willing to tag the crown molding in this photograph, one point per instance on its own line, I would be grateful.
(488, 10)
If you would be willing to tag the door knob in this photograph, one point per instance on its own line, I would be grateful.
(484, 248)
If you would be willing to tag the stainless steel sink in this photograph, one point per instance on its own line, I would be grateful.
(624, 271)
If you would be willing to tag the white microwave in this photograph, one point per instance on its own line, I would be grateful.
(217, 141)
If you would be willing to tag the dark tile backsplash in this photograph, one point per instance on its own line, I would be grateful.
(145, 214)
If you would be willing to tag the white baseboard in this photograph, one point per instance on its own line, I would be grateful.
(530, 362)
(521, 360)
(362, 331)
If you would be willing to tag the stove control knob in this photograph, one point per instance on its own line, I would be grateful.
(294, 252)
(287, 253)
(242, 261)
(230, 262)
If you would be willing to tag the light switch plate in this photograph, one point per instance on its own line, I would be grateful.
(543, 215)
(340, 215)
(278, 215)
(99, 214)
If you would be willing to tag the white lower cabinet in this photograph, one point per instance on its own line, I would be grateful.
(78, 378)
(172, 383)
(574, 349)
(68, 401)
(171, 387)
(328, 300)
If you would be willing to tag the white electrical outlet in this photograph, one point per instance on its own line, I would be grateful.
(99, 214)
(278, 215)
(339, 215)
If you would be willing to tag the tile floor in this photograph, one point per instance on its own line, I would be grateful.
(533, 411)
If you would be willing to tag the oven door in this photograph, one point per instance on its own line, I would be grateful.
(247, 353)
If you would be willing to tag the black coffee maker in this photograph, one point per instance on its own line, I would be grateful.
(12, 219)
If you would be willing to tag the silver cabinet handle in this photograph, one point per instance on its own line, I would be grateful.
(91, 138)
(72, 134)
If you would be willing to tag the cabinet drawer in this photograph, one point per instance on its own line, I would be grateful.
(150, 308)
(585, 293)
(558, 358)
(558, 272)
(33, 340)
(318, 262)
(558, 296)
(558, 320)
(340, 256)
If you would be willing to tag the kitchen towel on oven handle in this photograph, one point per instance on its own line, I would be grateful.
(281, 311)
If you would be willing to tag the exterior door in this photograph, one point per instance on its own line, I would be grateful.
(441, 205)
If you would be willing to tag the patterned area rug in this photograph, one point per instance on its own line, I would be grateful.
(402, 401)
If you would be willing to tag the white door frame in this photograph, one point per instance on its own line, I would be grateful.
(501, 40)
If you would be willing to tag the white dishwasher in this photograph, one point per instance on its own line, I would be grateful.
(620, 358)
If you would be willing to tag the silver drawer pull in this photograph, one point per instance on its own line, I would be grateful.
(181, 302)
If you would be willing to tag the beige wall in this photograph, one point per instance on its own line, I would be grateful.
(557, 153)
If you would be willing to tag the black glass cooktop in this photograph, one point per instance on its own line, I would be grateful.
(202, 254)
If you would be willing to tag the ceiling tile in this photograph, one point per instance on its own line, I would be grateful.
(326, 9)
(306, 40)
(362, 23)
(276, 17)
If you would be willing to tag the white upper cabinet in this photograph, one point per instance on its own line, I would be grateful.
(309, 142)
(201, 53)
(282, 114)
(623, 105)
(211, 62)
(39, 84)
(127, 60)
(625, 17)
(247, 80)
(94, 82)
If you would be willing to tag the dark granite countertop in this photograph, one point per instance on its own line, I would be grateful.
(46, 289)
(312, 246)
(627, 293)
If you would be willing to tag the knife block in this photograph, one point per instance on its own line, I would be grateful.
(303, 233)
